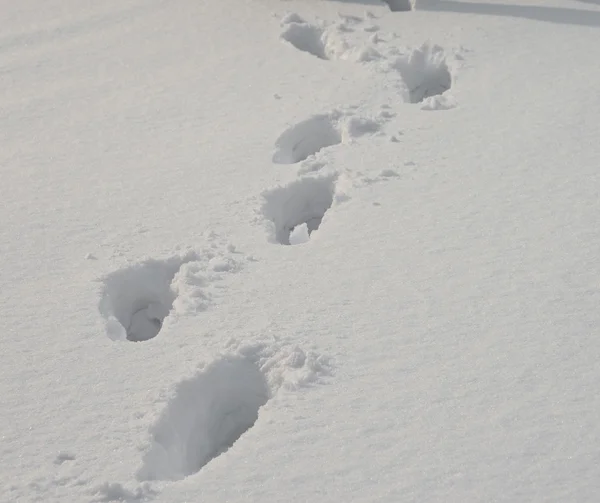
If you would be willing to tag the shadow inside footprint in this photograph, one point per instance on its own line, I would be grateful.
(137, 299)
(205, 417)
(306, 138)
(425, 73)
(146, 322)
(305, 37)
(297, 210)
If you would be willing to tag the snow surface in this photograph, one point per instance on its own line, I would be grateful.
(434, 336)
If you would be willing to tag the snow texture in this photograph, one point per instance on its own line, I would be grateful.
(428, 332)
(425, 72)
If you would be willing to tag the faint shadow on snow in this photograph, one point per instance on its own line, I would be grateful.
(137, 299)
(424, 72)
(399, 5)
(305, 139)
(303, 203)
(205, 417)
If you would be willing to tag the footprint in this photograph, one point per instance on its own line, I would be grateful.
(302, 202)
(137, 299)
(324, 41)
(306, 138)
(424, 72)
(306, 37)
(207, 415)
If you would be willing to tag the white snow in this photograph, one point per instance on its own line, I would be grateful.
(299, 234)
(434, 336)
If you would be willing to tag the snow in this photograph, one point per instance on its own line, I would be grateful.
(299, 234)
(433, 336)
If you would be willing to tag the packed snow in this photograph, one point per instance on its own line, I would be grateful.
(300, 250)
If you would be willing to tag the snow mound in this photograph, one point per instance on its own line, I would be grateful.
(310, 136)
(322, 40)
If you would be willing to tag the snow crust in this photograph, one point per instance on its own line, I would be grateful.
(431, 334)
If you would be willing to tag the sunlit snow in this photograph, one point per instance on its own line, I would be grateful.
(433, 337)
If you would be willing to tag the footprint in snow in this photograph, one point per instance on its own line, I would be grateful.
(296, 210)
(308, 137)
(136, 300)
(425, 72)
(205, 417)
(209, 412)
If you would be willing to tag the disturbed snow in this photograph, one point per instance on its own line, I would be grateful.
(299, 251)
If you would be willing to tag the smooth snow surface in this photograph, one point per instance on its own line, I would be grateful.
(433, 335)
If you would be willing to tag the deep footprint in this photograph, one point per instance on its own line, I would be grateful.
(305, 37)
(425, 73)
(297, 210)
(305, 139)
(137, 299)
(207, 415)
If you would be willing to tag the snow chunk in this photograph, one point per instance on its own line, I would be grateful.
(299, 234)
(306, 38)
